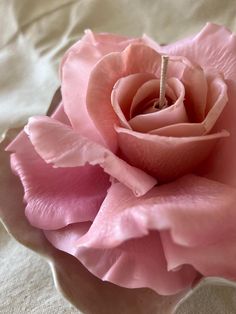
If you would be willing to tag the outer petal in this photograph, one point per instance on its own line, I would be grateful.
(60, 145)
(56, 197)
(216, 259)
(76, 67)
(184, 207)
(165, 158)
(136, 263)
(214, 47)
(72, 278)
(106, 42)
(134, 59)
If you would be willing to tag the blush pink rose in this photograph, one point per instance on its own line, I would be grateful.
(142, 197)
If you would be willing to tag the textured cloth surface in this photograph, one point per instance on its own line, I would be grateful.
(33, 37)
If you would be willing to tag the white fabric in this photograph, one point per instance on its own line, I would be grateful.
(33, 37)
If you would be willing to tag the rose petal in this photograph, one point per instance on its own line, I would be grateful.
(123, 93)
(214, 47)
(166, 48)
(75, 71)
(146, 93)
(106, 42)
(134, 59)
(72, 277)
(165, 158)
(60, 145)
(136, 263)
(57, 197)
(216, 101)
(184, 207)
(175, 113)
(195, 83)
(217, 259)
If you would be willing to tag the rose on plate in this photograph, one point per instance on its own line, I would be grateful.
(142, 195)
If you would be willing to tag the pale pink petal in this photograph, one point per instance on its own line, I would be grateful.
(59, 114)
(195, 210)
(134, 264)
(195, 83)
(72, 278)
(134, 59)
(214, 47)
(106, 42)
(60, 145)
(216, 101)
(216, 259)
(175, 113)
(123, 93)
(166, 158)
(148, 92)
(165, 48)
(115, 42)
(191, 74)
(56, 197)
(76, 67)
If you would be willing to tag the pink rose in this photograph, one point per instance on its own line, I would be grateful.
(142, 197)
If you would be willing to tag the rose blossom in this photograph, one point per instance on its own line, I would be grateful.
(142, 196)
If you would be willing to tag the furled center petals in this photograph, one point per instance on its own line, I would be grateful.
(134, 59)
(123, 93)
(58, 144)
(147, 121)
(135, 263)
(217, 99)
(165, 158)
(147, 94)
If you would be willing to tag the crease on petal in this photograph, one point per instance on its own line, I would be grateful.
(60, 145)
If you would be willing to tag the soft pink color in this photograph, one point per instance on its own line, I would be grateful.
(142, 196)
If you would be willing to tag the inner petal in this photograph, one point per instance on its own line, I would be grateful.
(216, 100)
(123, 93)
(195, 83)
(145, 117)
(146, 96)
